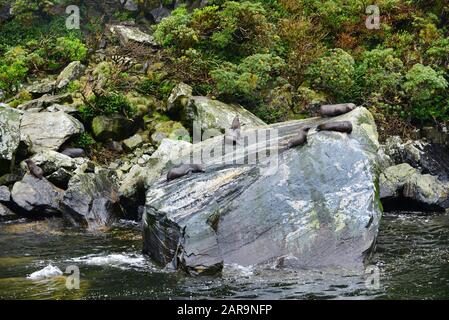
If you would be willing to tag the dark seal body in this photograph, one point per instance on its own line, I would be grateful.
(300, 139)
(235, 124)
(34, 169)
(74, 152)
(332, 110)
(182, 170)
(339, 126)
(232, 136)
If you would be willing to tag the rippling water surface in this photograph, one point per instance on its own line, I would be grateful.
(412, 255)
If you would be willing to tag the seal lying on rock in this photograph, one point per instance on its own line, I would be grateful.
(339, 126)
(182, 170)
(300, 139)
(34, 169)
(332, 110)
(74, 152)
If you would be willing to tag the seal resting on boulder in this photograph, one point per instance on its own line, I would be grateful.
(332, 110)
(233, 136)
(34, 169)
(339, 126)
(182, 170)
(300, 139)
(74, 152)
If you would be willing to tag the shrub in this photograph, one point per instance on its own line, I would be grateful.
(379, 72)
(425, 89)
(13, 70)
(84, 141)
(333, 73)
(249, 78)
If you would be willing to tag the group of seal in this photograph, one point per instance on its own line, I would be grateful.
(329, 110)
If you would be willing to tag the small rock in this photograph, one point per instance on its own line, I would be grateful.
(112, 127)
(72, 72)
(5, 194)
(133, 142)
(6, 214)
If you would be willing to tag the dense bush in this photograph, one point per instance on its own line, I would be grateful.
(333, 73)
(246, 80)
(426, 90)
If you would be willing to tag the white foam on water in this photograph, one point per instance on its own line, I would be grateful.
(235, 268)
(118, 260)
(45, 273)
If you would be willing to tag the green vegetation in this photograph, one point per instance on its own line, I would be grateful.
(278, 58)
(248, 51)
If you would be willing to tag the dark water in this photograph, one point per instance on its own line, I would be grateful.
(412, 257)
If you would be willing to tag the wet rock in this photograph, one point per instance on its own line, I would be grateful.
(91, 200)
(114, 127)
(48, 130)
(317, 203)
(36, 196)
(403, 187)
(129, 33)
(429, 158)
(393, 179)
(130, 5)
(9, 131)
(72, 72)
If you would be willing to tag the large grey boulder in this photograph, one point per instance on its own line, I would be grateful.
(403, 187)
(91, 200)
(316, 205)
(48, 130)
(36, 196)
(9, 131)
(72, 72)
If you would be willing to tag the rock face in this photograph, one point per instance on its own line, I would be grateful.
(73, 71)
(210, 114)
(40, 88)
(403, 187)
(36, 196)
(316, 205)
(9, 131)
(112, 127)
(48, 130)
(91, 200)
